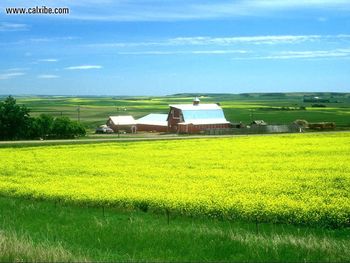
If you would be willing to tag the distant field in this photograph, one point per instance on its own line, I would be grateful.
(94, 111)
(298, 179)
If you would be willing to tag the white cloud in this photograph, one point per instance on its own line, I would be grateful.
(218, 52)
(52, 39)
(310, 54)
(313, 54)
(226, 41)
(322, 19)
(194, 52)
(288, 4)
(17, 69)
(84, 67)
(47, 76)
(48, 60)
(5, 26)
(10, 75)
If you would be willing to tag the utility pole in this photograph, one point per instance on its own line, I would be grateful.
(78, 110)
(118, 122)
(118, 131)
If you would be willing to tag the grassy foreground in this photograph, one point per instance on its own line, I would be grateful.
(42, 231)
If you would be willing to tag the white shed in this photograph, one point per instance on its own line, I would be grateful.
(122, 123)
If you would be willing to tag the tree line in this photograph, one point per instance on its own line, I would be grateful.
(16, 123)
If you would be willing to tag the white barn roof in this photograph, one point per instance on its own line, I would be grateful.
(122, 120)
(201, 114)
(154, 119)
(205, 121)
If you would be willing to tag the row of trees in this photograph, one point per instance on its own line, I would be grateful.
(16, 123)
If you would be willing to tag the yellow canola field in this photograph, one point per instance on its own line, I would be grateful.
(301, 178)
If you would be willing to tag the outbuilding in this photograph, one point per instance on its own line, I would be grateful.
(258, 123)
(196, 117)
(153, 122)
(122, 123)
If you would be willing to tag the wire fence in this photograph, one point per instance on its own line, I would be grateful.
(257, 129)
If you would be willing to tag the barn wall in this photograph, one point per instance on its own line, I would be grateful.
(175, 116)
(127, 128)
(145, 127)
(190, 128)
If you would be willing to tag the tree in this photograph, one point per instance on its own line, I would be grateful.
(63, 127)
(44, 125)
(14, 120)
(15, 123)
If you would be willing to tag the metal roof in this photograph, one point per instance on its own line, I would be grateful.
(154, 119)
(201, 114)
(205, 121)
(122, 120)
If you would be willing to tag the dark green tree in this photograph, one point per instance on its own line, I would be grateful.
(14, 120)
(44, 125)
(15, 123)
(64, 128)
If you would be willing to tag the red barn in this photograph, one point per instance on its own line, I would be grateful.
(196, 117)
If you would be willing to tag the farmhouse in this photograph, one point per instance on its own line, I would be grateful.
(153, 122)
(196, 117)
(122, 123)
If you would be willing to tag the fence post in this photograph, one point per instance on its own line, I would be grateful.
(168, 215)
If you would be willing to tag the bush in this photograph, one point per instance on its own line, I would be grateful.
(40, 127)
(64, 128)
(45, 124)
(47, 127)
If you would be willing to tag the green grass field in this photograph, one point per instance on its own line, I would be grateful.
(94, 111)
(41, 231)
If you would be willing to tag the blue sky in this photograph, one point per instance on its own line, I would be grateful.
(160, 47)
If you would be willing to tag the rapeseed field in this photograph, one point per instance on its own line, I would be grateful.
(298, 179)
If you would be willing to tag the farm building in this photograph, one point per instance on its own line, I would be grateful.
(122, 123)
(196, 117)
(153, 122)
(258, 123)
